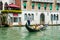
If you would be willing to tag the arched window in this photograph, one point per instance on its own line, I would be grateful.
(6, 6)
(56, 17)
(29, 16)
(32, 16)
(25, 16)
(1, 5)
(52, 17)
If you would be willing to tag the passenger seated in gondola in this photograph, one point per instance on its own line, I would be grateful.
(37, 27)
(41, 26)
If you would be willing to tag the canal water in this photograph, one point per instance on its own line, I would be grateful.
(20, 33)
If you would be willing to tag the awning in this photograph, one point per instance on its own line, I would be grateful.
(13, 6)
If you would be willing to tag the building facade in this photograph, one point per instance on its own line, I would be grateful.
(41, 11)
(12, 10)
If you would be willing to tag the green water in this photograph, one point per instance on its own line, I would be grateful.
(20, 33)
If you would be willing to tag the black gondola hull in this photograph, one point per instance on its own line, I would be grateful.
(33, 30)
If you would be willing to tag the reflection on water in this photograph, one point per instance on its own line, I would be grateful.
(20, 33)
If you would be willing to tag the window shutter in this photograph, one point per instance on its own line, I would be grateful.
(24, 4)
(57, 7)
(50, 6)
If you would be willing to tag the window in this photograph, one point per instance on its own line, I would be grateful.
(25, 16)
(39, 5)
(5, 6)
(51, 6)
(11, 19)
(32, 16)
(19, 19)
(52, 17)
(55, 16)
(57, 7)
(15, 19)
(33, 5)
(29, 16)
(1, 5)
(24, 4)
(45, 6)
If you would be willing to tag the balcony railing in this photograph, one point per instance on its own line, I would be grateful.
(51, 1)
(11, 11)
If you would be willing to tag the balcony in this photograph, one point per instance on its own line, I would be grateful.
(58, 1)
(11, 11)
(50, 1)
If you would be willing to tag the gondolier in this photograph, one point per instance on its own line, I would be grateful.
(29, 20)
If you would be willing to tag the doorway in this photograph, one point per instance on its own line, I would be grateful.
(42, 18)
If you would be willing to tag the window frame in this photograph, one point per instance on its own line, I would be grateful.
(25, 16)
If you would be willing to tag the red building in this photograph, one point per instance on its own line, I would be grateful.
(18, 3)
(13, 14)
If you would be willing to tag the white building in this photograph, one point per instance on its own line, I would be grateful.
(42, 12)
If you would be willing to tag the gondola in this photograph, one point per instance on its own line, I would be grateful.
(33, 30)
